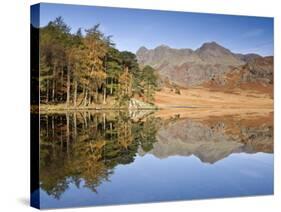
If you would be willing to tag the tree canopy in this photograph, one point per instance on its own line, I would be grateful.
(85, 68)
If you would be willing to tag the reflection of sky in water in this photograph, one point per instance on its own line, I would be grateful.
(150, 179)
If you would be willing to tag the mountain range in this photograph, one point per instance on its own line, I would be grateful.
(211, 65)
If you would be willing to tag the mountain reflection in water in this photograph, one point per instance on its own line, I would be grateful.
(83, 149)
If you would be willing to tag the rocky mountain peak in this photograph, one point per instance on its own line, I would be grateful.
(162, 46)
(213, 53)
(141, 50)
(211, 45)
(214, 49)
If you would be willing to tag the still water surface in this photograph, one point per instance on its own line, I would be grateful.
(90, 158)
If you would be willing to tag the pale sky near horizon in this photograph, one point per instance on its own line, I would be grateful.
(133, 28)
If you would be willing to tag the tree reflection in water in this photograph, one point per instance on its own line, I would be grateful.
(84, 145)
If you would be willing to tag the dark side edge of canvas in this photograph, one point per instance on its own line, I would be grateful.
(34, 101)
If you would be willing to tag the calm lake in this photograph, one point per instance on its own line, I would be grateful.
(118, 157)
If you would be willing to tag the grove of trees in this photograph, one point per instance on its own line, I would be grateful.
(85, 68)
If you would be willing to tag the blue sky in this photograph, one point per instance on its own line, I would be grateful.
(133, 28)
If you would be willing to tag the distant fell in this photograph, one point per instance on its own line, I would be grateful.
(209, 65)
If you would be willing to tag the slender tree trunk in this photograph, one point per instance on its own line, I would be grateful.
(47, 92)
(53, 128)
(83, 96)
(47, 125)
(62, 91)
(86, 98)
(97, 95)
(53, 91)
(75, 93)
(111, 86)
(54, 83)
(104, 95)
(68, 86)
(89, 99)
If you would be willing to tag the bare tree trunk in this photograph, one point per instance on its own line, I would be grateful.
(86, 98)
(47, 92)
(53, 91)
(104, 95)
(97, 95)
(53, 128)
(61, 83)
(89, 99)
(75, 93)
(54, 83)
(83, 96)
(68, 86)
(111, 86)
(47, 125)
